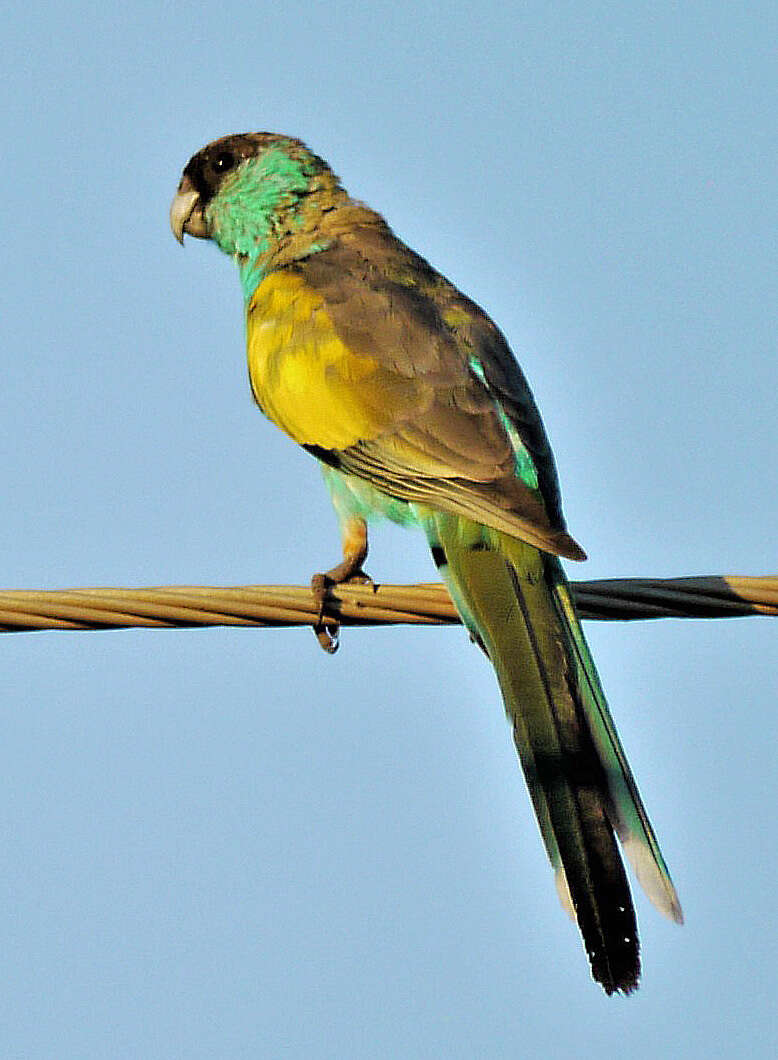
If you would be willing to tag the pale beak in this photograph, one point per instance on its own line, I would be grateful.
(186, 213)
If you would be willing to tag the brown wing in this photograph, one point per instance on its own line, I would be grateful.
(471, 440)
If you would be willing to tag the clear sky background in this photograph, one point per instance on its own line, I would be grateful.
(224, 843)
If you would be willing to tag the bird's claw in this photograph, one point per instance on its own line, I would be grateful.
(328, 630)
(360, 577)
(328, 636)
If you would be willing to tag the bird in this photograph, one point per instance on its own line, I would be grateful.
(410, 398)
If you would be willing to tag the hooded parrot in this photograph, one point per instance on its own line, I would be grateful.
(411, 400)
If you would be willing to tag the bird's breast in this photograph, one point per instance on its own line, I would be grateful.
(307, 380)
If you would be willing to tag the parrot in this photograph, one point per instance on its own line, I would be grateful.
(411, 400)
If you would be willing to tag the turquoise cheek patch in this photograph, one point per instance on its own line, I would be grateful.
(242, 215)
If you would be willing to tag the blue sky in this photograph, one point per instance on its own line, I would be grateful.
(224, 843)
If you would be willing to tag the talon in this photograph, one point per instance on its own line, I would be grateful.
(320, 587)
(360, 577)
(328, 637)
(354, 533)
(327, 632)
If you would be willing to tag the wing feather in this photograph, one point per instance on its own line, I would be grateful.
(363, 351)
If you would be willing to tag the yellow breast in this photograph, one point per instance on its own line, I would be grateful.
(307, 381)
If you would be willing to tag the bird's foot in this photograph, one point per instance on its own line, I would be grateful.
(354, 536)
(327, 629)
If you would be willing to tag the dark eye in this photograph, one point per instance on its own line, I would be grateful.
(224, 161)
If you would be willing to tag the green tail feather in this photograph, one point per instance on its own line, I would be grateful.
(629, 816)
(516, 604)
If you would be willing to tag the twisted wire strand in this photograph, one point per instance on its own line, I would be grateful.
(166, 607)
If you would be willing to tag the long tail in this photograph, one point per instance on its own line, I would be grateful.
(516, 603)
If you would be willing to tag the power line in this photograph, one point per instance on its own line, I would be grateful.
(362, 605)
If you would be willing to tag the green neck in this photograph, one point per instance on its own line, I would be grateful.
(260, 204)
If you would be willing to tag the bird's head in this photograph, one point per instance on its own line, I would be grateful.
(238, 191)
